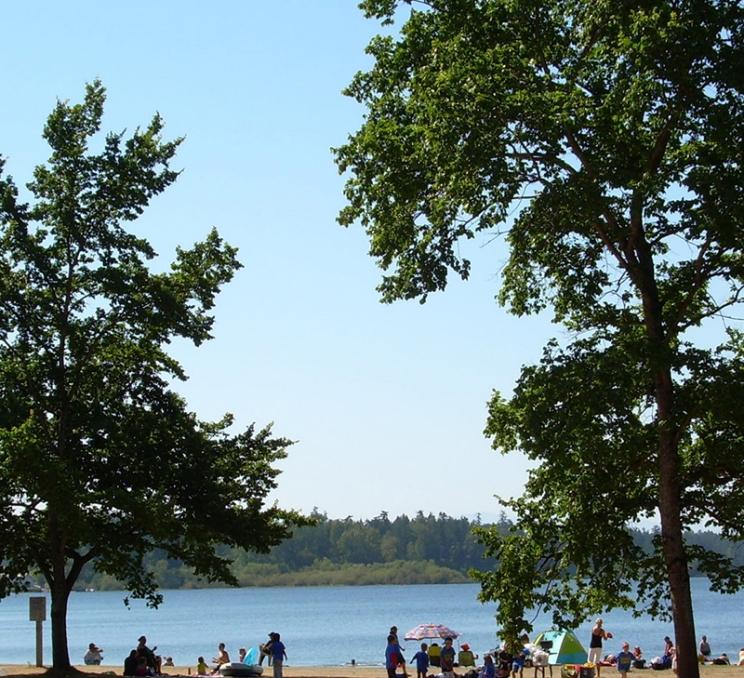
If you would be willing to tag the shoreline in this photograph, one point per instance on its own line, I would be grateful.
(345, 671)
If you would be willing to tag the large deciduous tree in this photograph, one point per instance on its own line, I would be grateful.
(100, 460)
(614, 132)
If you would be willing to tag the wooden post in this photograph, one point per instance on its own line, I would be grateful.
(37, 613)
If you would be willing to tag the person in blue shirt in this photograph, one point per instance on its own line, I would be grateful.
(422, 661)
(624, 660)
(489, 669)
(518, 662)
(278, 655)
(393, 656)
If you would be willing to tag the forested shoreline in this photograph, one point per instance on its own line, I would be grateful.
(424, 549)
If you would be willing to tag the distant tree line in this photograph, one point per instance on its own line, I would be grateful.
(425, 549)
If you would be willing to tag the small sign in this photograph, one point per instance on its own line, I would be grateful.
(37, 608)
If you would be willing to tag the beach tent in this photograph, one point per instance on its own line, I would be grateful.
(566, 648)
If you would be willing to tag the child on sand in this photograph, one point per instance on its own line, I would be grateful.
(447, 659)
(201, 667)
(422, 661)
(624, 660)
(278, 655)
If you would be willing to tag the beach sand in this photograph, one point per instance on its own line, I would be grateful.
(25, 671)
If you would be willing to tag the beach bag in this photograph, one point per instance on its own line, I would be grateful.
(569, 671)
(540, 658)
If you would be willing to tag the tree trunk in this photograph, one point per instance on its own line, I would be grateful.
(60, 653)
(676, 559)
(60, 592)
(670, 491)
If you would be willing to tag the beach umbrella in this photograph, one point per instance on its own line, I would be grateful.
(430, 631)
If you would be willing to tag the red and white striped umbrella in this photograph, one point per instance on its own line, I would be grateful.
(430, 631)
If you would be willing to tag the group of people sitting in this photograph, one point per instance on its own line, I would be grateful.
(273, 650)
(142, 660)
(667, 660)
(705, 655)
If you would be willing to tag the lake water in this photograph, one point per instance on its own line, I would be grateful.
(320, 625)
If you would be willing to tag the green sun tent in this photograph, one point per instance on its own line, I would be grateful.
(566, 648)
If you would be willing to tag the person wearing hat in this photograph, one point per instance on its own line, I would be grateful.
(465, 656)
(595, 643)
(93, 656)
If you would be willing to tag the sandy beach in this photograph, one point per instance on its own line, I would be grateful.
(25, 671)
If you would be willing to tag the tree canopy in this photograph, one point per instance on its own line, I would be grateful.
(604, 141)
(100, 459)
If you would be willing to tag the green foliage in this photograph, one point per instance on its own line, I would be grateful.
(419, 550)
(613, 133)
(439, 550)
(100, 460)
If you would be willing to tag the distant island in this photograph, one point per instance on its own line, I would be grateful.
(424, 549)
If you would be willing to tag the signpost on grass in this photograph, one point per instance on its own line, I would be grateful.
(37, 613)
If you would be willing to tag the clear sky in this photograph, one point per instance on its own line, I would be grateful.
(387, 403)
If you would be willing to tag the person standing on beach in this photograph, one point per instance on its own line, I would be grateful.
(402, 663)
(422, 661)
(278, 655)
(447, 659)
(595, 643)
(393, 656)
(489, 670)
(705, 648)
(265, 649)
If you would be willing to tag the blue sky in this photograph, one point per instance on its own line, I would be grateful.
(387, 403)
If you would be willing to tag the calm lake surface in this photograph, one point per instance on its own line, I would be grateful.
(320, 626)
